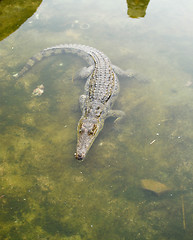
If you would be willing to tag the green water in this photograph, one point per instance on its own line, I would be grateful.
(44, 192)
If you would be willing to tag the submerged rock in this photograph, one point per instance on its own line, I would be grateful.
(154, 186)
(38, 91)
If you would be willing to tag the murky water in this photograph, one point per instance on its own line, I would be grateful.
(45, 193)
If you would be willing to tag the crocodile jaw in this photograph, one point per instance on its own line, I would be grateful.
(87, 131)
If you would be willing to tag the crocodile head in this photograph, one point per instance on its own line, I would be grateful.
(87, 131)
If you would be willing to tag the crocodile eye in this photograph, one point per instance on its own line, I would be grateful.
(81, 130)
(90, 132)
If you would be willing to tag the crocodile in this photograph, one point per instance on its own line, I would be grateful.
(100, 92)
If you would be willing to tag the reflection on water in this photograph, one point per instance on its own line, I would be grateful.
(137, 8)
(44, 192)
(14, 13)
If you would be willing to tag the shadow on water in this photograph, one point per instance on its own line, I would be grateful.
(137, 8)
(14, 13)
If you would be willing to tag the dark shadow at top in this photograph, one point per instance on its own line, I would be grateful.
(13, 13)
(137, 8)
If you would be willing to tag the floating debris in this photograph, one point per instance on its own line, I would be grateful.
(37, 16)
(188, 83)
(183, 213)
(152, 141)
(15, 75)
(38, 91)
(84, 26)
(154, 186)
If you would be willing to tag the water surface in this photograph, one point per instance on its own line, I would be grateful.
(45, 193)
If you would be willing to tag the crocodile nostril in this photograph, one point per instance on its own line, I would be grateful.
(79, 156)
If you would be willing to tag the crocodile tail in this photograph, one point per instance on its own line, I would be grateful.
(83, 51)
(37, 58)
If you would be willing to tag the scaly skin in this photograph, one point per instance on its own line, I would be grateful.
(101, 90)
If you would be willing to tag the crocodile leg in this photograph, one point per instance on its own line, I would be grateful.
(82, 101)
(85, 72)
(118, 114)
(122, 73)
(129, 74)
